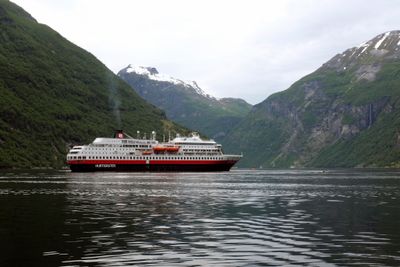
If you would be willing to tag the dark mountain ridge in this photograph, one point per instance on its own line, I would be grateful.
(54, 94)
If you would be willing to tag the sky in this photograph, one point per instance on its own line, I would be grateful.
(232, 48)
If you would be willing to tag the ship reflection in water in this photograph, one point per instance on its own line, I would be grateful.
(237, 218)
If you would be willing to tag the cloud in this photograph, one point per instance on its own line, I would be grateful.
(247, 49)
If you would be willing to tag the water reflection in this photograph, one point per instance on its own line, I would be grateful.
(240, 218)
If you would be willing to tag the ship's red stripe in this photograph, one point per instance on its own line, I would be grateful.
(152, 162)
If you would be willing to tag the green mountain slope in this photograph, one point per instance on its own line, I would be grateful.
(53, 94)
(345, 114)
(185, 102)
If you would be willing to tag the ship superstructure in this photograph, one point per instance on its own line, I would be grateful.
(124, 153)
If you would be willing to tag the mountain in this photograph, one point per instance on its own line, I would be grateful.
(54, 94)
(185, 102)
(345, 114)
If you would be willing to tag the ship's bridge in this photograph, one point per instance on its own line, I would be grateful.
(193, 140)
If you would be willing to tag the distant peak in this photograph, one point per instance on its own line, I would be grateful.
(141, 70)
(386, 40)
(153, 74)
(386, 44)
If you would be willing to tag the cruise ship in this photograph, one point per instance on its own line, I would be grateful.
(124, 153)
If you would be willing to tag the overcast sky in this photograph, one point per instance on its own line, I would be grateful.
(248, 49)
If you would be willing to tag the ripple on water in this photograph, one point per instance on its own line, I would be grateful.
(240, 218)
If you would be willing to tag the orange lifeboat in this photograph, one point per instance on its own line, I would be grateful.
(147, 152)
(165, 148)
(172, 149)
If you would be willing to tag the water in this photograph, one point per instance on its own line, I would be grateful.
(240, 218)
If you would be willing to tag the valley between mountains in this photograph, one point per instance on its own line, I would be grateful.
(54, 94)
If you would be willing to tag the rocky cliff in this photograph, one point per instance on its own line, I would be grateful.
(345, 114)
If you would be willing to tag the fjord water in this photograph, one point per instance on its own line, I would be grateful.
(237, 218)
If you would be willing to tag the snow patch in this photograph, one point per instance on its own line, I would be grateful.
(362, 45)
(138, 70)
(378, 44)
(198, 90)
(365, 48)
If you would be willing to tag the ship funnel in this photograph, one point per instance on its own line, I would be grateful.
(119, 134)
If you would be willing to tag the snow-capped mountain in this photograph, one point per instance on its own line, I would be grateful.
(345, 114)
(153, 74)
(382, 47)
(185, 102)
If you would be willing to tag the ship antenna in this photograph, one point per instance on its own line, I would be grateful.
(144, 136)
(138, 134)
(169, 136)
(128, 136)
